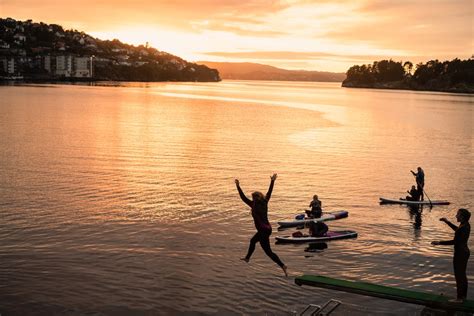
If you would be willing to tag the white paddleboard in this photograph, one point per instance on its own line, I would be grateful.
(325, 217)
(331, 235)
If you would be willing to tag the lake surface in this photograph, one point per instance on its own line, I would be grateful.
(121, 199)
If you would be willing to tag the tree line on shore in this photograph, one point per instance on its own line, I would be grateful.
(451, 76)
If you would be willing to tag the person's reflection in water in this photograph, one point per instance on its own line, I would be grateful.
(415, 215)
(316, 247)
(415, 212)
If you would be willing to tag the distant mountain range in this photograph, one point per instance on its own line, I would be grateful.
(254, 71)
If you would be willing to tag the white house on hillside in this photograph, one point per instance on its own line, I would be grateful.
(64, 66)
(82, 67)
(19, 37)
(8, 65)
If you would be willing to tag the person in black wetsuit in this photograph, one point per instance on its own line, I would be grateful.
(316, 208)
(420, 181)
(259, 206)
(414, 194)
(317, 229)
(461, 250)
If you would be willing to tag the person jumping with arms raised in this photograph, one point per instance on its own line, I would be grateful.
(259, 206)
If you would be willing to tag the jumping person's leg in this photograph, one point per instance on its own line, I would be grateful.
(265, 243)
(253, 241)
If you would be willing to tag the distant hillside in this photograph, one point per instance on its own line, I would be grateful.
(254, 71)
(41, 51)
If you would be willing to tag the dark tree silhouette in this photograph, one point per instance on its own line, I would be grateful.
(456, 75)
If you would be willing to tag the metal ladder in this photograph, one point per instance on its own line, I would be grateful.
(316, 310)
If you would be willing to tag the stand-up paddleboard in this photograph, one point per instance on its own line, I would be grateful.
(331, 235)
(325, 217)
(407, 202)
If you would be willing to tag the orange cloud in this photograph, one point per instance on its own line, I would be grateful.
(438, 27)
(322, 33)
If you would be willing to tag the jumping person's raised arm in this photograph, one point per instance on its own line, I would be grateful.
(241, 193)
(453, 227)
(270, 189)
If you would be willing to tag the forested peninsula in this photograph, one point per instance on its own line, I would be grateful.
(449, 76)
(40, 51)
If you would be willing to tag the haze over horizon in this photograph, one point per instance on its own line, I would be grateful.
(309, 35)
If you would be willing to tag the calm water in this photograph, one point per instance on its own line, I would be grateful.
(121, 200)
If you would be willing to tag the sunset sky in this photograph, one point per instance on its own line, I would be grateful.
(312, 35)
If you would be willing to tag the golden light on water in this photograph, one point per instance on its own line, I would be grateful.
(136, 180)
(121, 199)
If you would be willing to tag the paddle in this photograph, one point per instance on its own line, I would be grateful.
(422, 189)
(424, 192)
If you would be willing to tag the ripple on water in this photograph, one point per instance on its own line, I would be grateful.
(125, 202)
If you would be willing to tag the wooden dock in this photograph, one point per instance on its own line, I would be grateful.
(386, 292)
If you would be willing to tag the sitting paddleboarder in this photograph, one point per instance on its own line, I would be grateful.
(316, 208)
(461, 250)
(420, 181)
(414, 194)
(317, 229)
(259, 206)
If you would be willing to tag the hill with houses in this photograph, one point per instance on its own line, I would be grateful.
(40, 51)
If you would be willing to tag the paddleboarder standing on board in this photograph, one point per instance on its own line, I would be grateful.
(420, 181)
(259, 206)
(461, 250)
